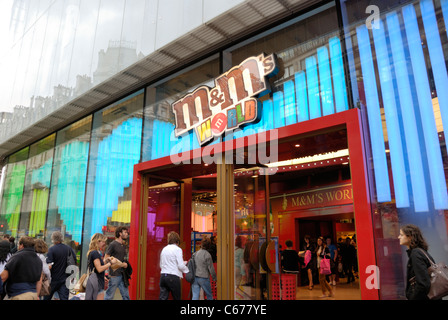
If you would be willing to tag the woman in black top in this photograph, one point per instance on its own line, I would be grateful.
(418, 280)
(311, 265)
(95, 291)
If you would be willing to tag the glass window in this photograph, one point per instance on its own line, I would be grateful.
(68, 185)
(401, 74)
(114, 150)
(158, 136)
(163, 216)
(37, 188)
(13, 192)
(311, 79)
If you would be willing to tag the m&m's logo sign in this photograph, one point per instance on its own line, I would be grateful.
(230, 104)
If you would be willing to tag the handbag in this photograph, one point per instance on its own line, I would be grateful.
(81, 285)
(46, 288)
(438, 272)
(325, 266)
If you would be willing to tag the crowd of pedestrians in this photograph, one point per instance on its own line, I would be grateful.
(341, 259)
(35, 271)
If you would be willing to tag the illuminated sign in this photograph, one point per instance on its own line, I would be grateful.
(322, 197)
(230, 104)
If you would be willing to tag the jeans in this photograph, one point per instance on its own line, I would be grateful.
(115, 282)
(59, 287)
(203, 283)
(169, 283)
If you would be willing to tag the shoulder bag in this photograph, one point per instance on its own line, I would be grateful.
(46, 288)
(438, 272)
(81, 285)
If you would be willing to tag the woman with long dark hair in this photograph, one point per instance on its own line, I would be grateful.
(418, 280)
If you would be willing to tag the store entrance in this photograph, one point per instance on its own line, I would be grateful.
(259, 206)
(339, 233)
(190, 205)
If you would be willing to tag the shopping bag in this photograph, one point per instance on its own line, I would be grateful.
(307, 257)
(325, 267)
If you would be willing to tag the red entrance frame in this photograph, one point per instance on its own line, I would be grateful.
(351, 120)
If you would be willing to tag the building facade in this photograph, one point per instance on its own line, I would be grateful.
(254, 121)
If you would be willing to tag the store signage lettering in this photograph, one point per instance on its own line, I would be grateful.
(230, 104)
(319, 198)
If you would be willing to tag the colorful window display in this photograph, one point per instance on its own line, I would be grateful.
(13, 192)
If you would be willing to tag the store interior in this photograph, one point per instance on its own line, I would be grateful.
(309, 194)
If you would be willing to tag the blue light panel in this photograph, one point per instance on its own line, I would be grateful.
(301, 96)
(408, 114)
(392, 123)
(290, 103)
(313, 87)
(279, 110)
(430, 135)
(325, 81)
(337, 68)
(374, 116)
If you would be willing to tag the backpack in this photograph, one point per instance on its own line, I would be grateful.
(191, 270)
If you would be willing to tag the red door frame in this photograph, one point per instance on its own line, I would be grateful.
(351, 120)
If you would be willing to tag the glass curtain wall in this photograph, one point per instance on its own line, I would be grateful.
(37, 188)
(66, 206)
(399, 69)
(13, 192)
(115, 148)
(311, 81)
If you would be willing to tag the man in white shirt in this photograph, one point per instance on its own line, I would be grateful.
(172, 266)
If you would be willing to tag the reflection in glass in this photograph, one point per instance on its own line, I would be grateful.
(37, 188)
(163, 216)
(250, 234)
(400, 70)
(13, 192)
(114, 150)
(66, 207)
(158, 136)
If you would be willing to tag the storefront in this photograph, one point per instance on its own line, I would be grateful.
(328, 122)
(165, 196)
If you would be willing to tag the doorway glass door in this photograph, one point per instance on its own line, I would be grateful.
(162, 217)
(251, 236)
